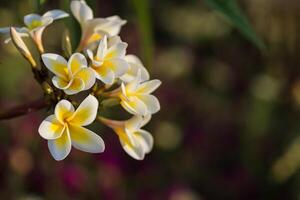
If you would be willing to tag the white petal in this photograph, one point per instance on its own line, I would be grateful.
(136, 152)
(151, 103)
(31, 17)
(134, 84)
(114, 25)
(81, 11)
(145, 139)
(102, 48)
(61, 147)
(76, 86)
(51, 128)
(126, 136)
(46, 21)
(123, 89)
(148, 87)
(76, 62)
(135, 65)
(87, 75)
(107, 26)
(96, 24)
(86, 112)
(56, 64)
(90, 54)
(118, 66)
(133, 59)
(135, 106)
(61, 83)
(91, 57)
(134, 123)
(35, 22)
(63, 110)
(86, 140)
(56, 14)
(97, 63)
(116, 51)
(116, 19)
(143, 143)
(92, 32)
(114, 40)
(104, 74)
(126, 78)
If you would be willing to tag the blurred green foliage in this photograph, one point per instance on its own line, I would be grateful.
(142, 12)
(237, 18)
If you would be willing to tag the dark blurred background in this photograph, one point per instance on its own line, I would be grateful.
(229, 123)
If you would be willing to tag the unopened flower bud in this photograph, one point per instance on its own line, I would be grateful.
(21, 46)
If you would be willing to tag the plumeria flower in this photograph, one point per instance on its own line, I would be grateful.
(35, 25)
(65, 128)
(135, 65)
(71, 76)
(109, 62)
(136, 96)
(93, 29)
(134, 140)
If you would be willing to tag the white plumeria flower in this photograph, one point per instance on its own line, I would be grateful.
(93, 29)
(135, 65)
(134, 140)
(35, 25)
(109, 62)
(136, 96)
(65, 129)
(71, 76)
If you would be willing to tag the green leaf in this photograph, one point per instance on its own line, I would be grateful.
(231, 10)
(142, 11)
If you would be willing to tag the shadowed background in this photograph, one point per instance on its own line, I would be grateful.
(230, 107)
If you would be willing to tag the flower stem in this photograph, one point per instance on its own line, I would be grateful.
(108, 122)
(115, 93)
(23, 109)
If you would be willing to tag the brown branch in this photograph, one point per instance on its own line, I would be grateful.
(23, 109)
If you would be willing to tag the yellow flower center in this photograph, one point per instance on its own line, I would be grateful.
(95, 37)
(34, 24)
(68, 75)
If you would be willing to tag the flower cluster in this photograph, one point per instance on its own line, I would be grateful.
(101, 68)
